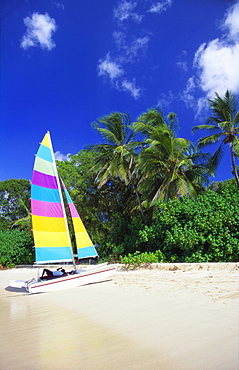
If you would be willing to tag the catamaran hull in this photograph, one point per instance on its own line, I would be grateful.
(71, 281)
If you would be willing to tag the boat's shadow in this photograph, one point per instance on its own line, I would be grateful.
(23, 290)
(96, 282)
(17, 290)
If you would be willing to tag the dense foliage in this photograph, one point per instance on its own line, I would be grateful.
(11, 192)
(16, 247)
(204, 229)
(201, 230)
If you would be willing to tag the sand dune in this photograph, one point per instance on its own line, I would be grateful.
(168, 316)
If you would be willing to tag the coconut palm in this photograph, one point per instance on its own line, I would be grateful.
(24, 222)
(117, 157)
(225, 127)
(171, 166)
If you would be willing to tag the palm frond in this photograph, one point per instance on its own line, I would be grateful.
(172, 121)
(108, 135)
(235, 146)
(236, 119)
(224, 109)
(207, 140)
(153, 117)
(205, 127)
(215, 159)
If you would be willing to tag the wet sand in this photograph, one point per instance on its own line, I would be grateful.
(172, 316)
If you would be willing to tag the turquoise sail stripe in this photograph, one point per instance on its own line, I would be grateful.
(67, 196)
(45, 153)
(53, 254)
(45, 194)
(87, 252)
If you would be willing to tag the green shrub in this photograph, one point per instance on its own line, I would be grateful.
(204, 229)
(137, 258)
(200, 230)
(16, 247)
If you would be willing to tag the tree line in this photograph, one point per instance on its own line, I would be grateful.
(143, 192)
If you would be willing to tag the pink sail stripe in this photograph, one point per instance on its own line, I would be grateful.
(46, 181)
(63, 185)
(73, 210)
(46, 209)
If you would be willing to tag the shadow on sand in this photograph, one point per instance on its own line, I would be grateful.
(17, 290)
(23, 290)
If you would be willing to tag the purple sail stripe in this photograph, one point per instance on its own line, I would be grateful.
(73, 210)
(46, 209)
(46, 181)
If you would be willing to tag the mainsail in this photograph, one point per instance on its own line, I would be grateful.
(85, 248)
(50, 229)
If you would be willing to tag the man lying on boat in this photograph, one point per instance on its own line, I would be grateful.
(48, 274)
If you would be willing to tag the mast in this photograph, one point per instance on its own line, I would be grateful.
(62, 202)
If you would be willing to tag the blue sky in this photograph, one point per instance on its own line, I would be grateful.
(65, 63)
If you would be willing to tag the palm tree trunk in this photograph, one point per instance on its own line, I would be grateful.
(130, 177)
(234, 169)
(139, 201)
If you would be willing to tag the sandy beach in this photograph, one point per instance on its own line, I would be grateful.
(166, 316)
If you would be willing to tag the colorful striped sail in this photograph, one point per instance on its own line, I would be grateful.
(50, 229)
(85, 248)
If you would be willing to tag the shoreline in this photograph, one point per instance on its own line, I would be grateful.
(159, 266)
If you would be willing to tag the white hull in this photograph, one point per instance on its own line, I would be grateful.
(82, 277)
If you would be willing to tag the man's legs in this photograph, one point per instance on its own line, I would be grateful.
(48, 273)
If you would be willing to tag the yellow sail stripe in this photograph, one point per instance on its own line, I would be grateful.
(50, 239)
(82, 237)
(78, 225)
(46, 141)
(83, 240)
(48, 224)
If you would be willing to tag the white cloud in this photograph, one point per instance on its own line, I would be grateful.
(218, 64)
(182, 65)
(160, 6)
(130, 87)
(202, 109)
(40, 28)
(61, 157)
(217, 61)
(130, 46)
(231, 21)
(188, 94)
(120, 39)
(114, 72)
(109, 68)
(166, 99)
(137, 46)
(59, 5)
(125, 11)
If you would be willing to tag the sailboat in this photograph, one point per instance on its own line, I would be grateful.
(51, 232)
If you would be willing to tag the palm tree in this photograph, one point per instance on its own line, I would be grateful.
(171, 166)
(24, 222)
(117, 157)
(225, 127)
